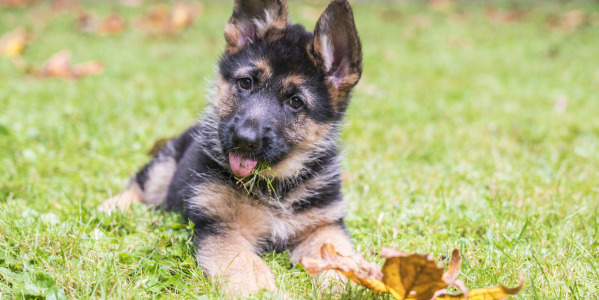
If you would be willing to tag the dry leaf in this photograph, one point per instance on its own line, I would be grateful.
(13, 43)
(356, 268)
(59, 65)
(504, 17)
(441, 5)
(492, 293)
(16, 3)
(413, 276)
(184, 14)
(87, 22)
(450, 277)
(405, 276)
(113, 24)
(161, 20)
(454, 266)
(66, 5)
(569, 20)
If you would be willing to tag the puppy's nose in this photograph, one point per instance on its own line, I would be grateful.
(246, 139)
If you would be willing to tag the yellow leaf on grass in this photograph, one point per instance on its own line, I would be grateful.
(491, 293)
(411, 276)
(354, 267)
(13, 43)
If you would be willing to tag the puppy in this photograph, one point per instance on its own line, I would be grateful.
(260, 171)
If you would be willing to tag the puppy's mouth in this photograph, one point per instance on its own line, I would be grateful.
(241, 166)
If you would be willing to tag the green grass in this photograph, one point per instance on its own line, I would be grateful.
(452, 140)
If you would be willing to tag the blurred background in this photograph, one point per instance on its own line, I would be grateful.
(474, 126)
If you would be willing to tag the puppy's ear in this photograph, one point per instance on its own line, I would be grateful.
(251, 20)
(337, 48)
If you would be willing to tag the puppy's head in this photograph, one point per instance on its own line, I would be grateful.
(281, 89)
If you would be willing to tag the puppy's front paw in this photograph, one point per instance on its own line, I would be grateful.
(248, 284)
(123, 200)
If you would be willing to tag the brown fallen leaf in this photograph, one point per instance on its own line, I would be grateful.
(184, 14)
(356, 268)
(13, 43)
(454, 266)
(66, 5)
(493, 293)
(16, 3)
(441, 5)
(414, 276)
(87, 22)
(113, 24)
(405, 276)
(505, 17)
(569, 21)
(161, 20)
(59, 65)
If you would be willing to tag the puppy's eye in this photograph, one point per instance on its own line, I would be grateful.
(295, 102)
(244, 83)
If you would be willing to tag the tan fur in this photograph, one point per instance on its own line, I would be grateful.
(295, 80)
(339, 93)
(249, 223)
(290, 166)
(312, 242)
(310, 245)
(122, 201)
(223, 92)
(231, 257)
(309, 139)
(263, 66)
(159, 178)
(258, 222)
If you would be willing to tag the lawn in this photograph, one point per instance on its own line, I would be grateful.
(474, 126)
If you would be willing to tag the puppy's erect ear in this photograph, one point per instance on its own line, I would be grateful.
(337, 47)
(251, 19)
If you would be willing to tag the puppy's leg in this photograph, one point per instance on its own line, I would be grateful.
(150, 185)
(122, 201)
(310, 245)
(229, 256)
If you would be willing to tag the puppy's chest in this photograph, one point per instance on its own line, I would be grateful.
(259, 220)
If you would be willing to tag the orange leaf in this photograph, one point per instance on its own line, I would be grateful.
(16, 3)
(113, 24)
(492, 293)
(88, 68)
(13, 43)
(411, 276)
(160, 19)
(59, 65)
(355, 267)
(183, 15)
(454, 267)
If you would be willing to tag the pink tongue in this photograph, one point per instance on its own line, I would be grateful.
(241, 166)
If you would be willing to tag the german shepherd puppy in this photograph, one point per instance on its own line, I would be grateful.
(278, 100)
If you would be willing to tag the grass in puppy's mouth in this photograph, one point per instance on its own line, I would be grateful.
(261, 174)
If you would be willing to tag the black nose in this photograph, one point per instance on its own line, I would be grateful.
(246, 139)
